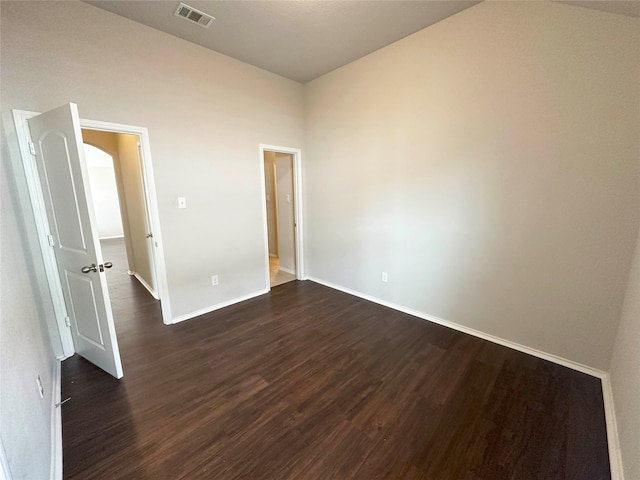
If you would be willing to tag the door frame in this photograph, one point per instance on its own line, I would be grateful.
(297, 208)
(20, 118)
(120, 187)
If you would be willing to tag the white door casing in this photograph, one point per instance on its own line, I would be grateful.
(20, 118)
(57, 141)
(298, 209)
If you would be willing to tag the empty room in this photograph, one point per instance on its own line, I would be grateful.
(383, 240)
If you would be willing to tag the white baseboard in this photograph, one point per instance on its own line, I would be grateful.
(112, 238)
(615, 456)
(144, 284)
(476, 333)
(56, 425)
(615, 459)
(287, 270)
(202, 311)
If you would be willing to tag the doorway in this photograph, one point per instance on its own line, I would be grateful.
(116, 177)
(281, 179)
(96, 339)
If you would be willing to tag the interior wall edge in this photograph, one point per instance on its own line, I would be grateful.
(613, 438)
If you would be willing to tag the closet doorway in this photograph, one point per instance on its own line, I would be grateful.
(281, 207)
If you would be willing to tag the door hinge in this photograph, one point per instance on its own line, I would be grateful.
(50, 240)
(32, 148)
(67, 321)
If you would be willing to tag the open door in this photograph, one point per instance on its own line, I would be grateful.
(149, 234)
(57, 146)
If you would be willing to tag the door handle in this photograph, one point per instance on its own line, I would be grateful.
(92, 268)
(105, 265)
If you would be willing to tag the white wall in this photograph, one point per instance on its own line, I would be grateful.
(25, 344)
(625, 374)
(489, 164)
(104, 192)
(206, 115)
(271, 202)
(286, 215)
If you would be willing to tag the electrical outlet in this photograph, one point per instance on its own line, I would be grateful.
(214, 280)
(40, 387)
(385, 277)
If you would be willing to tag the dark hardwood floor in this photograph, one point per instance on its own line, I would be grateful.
(311, 383)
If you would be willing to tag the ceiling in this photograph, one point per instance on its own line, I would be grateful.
(300, 40)
(303, 39)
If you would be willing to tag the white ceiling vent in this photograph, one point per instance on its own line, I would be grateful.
(193, 15)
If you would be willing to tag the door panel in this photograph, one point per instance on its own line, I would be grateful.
(58, 176)
(150, 240)
(83, 299)
(62, 173)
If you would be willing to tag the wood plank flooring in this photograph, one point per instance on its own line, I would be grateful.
(311, 383)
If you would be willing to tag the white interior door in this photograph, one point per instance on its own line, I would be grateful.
(147, 218)
(57, 141)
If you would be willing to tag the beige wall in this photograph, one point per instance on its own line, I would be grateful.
(206, 114)
(625, 374)
(271, 202)
(489, 164)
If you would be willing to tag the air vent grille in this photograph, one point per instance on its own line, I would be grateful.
(193, 15)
